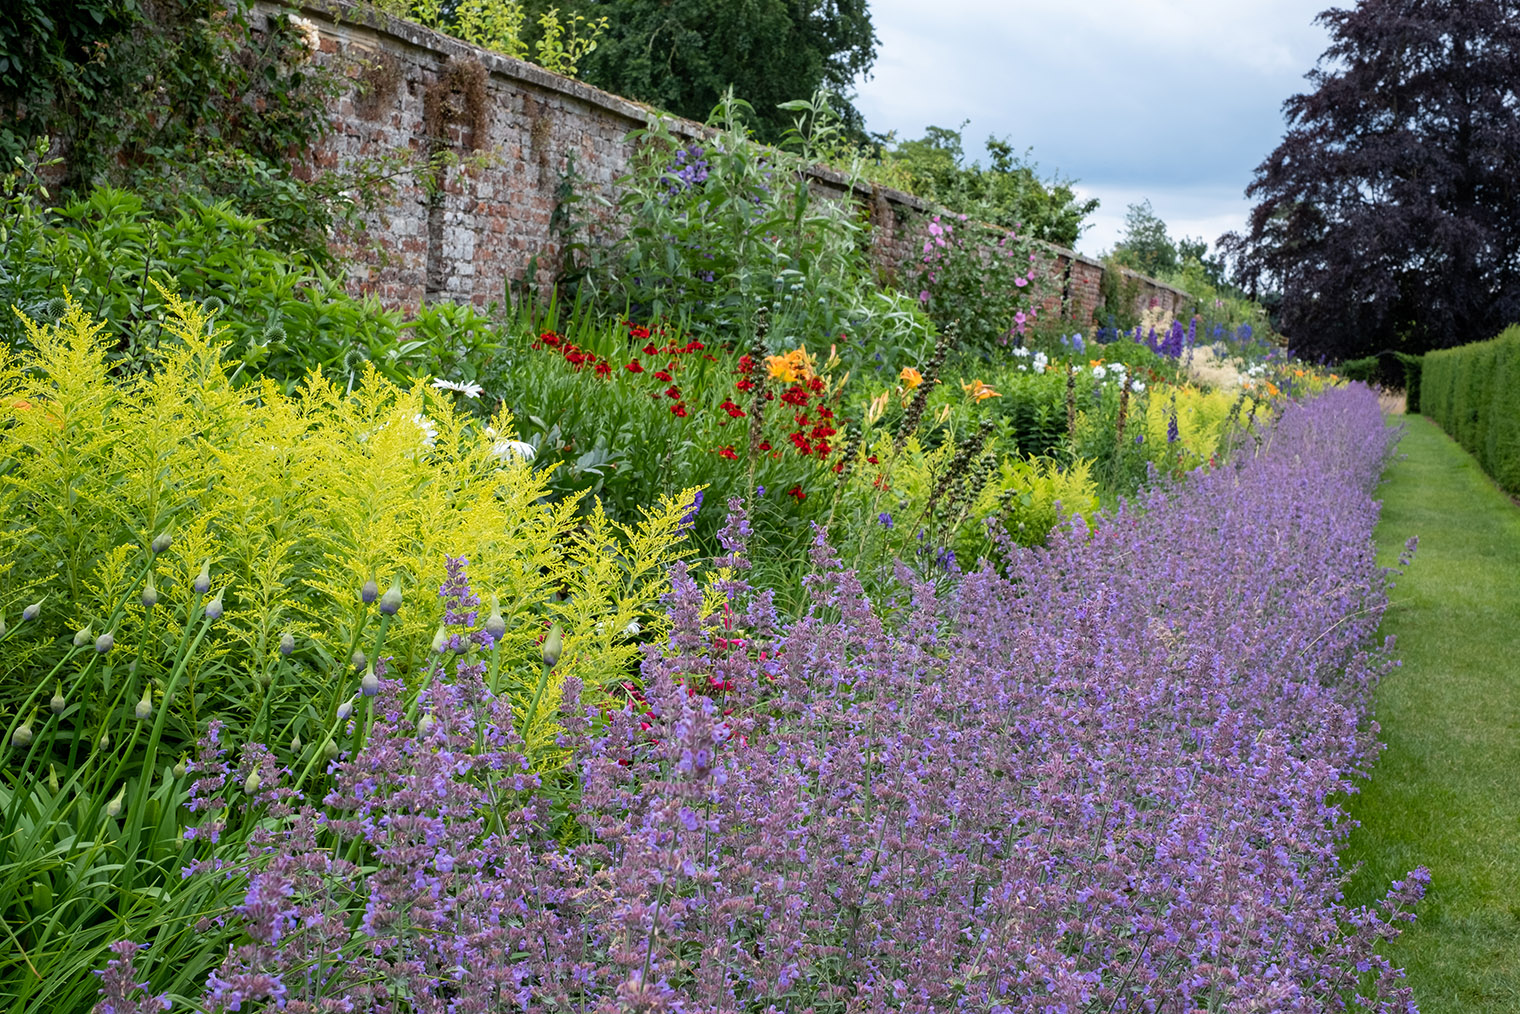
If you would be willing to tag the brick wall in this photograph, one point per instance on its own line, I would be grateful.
(466, 232)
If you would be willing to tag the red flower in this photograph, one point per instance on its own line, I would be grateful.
(550, 338)
(872, 459)
(795, 396)
(678, 410)
(746, 364)
(797, 492)
(839, 466)
(823, 449)
(825, 413)
(765, 445)
(734, 411)
(673, 392)
(603, 370)
(728, 452)
(800, 419)
(745, 385)
(694, 346)
(649, 350)
(815, 385)
(662, 375)
(634, 368)
(820, 431)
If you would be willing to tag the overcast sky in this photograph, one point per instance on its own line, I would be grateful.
(1172, 100)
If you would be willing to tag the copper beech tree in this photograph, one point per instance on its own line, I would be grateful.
(1389, 216)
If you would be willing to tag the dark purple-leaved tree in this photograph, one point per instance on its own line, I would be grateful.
(1389, 216)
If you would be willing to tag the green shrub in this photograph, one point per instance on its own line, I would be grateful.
(281, 313)
(1473, 393)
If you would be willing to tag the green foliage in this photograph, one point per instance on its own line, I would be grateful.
(282, 314)
(725, 231)
(1145, 246)
(685, 55)
(182, 94)
(1008, 192)
(984, 291)
(558, 44)
(1471, 392)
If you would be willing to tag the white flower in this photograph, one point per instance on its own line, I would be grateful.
(1041, 360)
(633, 628)
(466, 389)
(1137, 386)
(1116, 368)
(1022, 352)
(505, 449)
(1099, 373)
(311, 37)
(429, 429)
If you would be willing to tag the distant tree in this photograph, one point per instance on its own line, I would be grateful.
(1008, 191)
(682, 55)
(1145, 245)
(1389, 216)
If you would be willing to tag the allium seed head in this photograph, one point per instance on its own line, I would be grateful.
(202, 582)
(287, 643)
(144, 707)
(357, 659)
(161, 543)
(345, 710)
(83, 636)
(22, 737)
(369, 686)
(149, 593)
(104, 643)
(214, 607)
(32, 611)
(369, 592)
(554, 644)
(252, 782)
(57, 703)
(113, 808)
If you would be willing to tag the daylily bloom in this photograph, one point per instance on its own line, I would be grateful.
(979, 391)
(910, 377)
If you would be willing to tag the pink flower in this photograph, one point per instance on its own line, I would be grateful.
(923, 296)
(1021, 281)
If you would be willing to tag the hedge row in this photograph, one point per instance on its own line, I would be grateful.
(1388, 369)
(1473, 392)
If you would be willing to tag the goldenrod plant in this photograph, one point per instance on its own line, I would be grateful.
(126, 500)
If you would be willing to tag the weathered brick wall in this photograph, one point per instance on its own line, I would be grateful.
(468, 230)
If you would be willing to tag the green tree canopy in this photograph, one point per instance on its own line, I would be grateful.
(1008, 191)
(1145, 246)
(682, 55)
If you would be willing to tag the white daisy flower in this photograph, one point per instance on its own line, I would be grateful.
(505, 449)
(466, 389)
(429, 429)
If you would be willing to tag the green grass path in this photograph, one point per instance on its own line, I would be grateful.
(1446, 792)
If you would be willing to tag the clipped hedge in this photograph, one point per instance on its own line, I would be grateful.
(1473, 393)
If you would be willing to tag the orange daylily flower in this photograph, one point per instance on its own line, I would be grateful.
(979, 391)
(910, 377)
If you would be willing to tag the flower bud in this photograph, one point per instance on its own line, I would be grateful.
(202, 582)
(263, 679)
(150, 593)
(440, 640)
(22, 737)
(214, 607)
(57, 704)
(145, 706)
(296, 744)
(553, 645)
(52, 782)
(390, 602)
(252, 782)
(31, 612)
(369, 686)
(83, 637)
(369, 592)
(345, 709)
(104, 643)
(287, 643)
(425, 725)
(330, 749)
(161, 543)
(113, 808)
(495, 625)
(182, 768)
(357, 658)
(105, 741)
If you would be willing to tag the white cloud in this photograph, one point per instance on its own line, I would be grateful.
(1175, 100)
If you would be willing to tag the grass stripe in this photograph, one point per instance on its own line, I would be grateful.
(1446, 793)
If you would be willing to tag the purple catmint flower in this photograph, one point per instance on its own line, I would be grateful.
(120, 990)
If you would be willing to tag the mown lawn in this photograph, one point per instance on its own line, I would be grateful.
(1446, 793)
